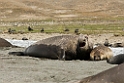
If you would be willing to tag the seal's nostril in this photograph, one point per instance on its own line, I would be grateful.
(84, 40)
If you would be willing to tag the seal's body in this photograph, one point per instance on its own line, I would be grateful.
(118, 59)
(100, 53)
(45, 51)
(4, 43)
(112, 75)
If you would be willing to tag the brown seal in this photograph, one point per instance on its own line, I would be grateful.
(100, 53)
(5, 43)
(112, 75)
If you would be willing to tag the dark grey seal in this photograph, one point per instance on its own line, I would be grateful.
(112, 75)
(45, 51)
(118, 59)
(66, 47)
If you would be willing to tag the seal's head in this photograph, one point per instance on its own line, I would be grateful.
(96, 55)
(84, 47)
(82, 41)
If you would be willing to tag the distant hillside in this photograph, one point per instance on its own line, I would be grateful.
(59, 9)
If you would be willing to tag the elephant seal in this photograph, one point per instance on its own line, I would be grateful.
(5, 43)
(118, 59)
(67, 46)
(118, 44)
(100, 53)
(112, 75)
(45, 51)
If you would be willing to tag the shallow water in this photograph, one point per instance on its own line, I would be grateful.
(26, 43)
(21, 43)
(119, 50)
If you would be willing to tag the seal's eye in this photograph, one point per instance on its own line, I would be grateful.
(82, 44)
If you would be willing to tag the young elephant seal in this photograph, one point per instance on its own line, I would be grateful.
(100, 53)
(118, 59)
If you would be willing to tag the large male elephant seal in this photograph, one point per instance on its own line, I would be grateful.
(63, 46)
(118, 59)
(5, 43)
(100, 53)
(112, 75)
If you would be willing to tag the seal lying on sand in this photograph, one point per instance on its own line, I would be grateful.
(112, 75)
(5, 43)
(100, 53)
(118, 44)
(118, 59)
(66, 46)
(45, 51)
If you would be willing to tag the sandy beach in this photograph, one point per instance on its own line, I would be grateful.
(24, 69)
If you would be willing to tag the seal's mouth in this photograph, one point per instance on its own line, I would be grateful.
(82, 44)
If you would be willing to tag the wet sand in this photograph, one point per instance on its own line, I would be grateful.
(25, 69)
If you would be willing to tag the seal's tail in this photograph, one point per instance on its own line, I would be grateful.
(17, 53)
